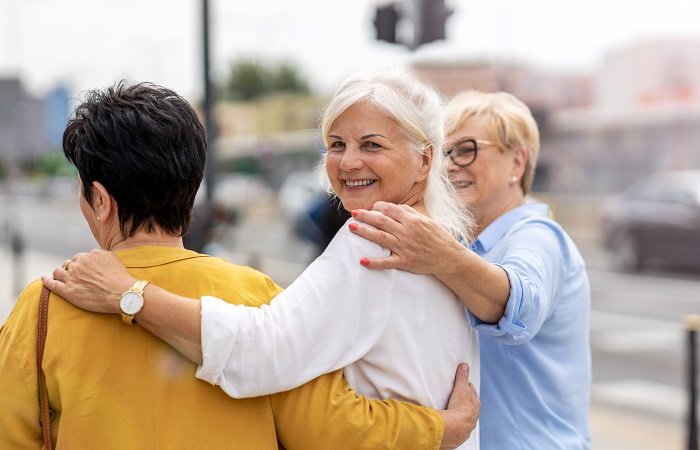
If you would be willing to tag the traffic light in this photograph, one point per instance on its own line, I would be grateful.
(428, 18)
(430, 21)
(385, 20)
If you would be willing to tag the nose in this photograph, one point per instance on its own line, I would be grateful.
(451, 166)
(351, 159)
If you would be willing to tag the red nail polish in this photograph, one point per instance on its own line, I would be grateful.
(364, 262)
(353, 213)
(352, 226)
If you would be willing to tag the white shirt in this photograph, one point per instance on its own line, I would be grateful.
(397, 334)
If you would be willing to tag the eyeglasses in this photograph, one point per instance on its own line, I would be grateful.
(463, 153)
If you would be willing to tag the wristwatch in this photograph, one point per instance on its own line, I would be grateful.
(131, 301)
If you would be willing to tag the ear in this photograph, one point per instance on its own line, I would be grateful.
(520, 156)
(102, 202)
(426, 161)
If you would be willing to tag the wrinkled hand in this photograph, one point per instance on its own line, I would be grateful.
(462, 410)
(93, 281)
(417, 243)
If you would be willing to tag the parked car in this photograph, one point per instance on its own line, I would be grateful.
(656, 220)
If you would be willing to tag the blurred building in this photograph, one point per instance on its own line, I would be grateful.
(272, 136)
(541, 90)
(639, 113)
(645, 118)
(30, 126)
(11, 95)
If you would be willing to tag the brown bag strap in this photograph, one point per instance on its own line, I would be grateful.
(45, 419)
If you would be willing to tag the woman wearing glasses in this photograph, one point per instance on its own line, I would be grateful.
(522, 278)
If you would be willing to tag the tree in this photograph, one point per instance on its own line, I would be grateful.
(286, 78)
(249, 80)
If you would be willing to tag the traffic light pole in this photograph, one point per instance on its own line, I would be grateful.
(210, 169)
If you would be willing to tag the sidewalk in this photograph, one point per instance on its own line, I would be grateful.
(614, 427)
(33, 265)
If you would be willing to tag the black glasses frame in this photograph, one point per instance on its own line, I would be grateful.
(461, 157)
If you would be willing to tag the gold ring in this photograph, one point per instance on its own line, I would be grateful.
(66, 263)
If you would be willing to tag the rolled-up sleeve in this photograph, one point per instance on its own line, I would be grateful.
(325, 320)
(532, 258)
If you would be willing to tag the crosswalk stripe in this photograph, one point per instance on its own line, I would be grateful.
(642, 395)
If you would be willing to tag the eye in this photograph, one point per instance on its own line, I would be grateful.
(336, 146)
(464, 148)
(371, 145)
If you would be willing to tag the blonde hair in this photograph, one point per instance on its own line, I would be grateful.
(418, 110)
(510, 124)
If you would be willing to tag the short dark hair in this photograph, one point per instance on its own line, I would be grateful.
(147, 146)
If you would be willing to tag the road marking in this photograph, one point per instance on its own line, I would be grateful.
(618, 320)
(622, 333)
(642, 395)
(642, 341)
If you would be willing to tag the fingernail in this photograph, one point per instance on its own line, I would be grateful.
(353, 213)
(352, 226)
(463, 367)
(364, 262)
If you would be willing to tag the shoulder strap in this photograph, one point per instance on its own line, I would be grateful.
(45, 419)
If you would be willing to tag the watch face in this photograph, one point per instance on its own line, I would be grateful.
(131, 303)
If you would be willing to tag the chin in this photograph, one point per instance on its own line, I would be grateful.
(354, 204)
(466, 196)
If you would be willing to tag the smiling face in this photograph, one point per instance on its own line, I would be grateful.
(370, 159)
(487, 185)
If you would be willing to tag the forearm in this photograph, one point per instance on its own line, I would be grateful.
(174, 319)
(326, 413)
(309, 329)
(483, 287)
(420, 245)
(453, 435)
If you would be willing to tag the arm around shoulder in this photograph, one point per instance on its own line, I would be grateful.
(326, 413)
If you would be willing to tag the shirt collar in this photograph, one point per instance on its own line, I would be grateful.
(496, 229)
(154, 255)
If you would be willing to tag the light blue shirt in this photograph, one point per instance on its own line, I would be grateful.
(536, 362)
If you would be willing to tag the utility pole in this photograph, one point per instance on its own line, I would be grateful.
(202, 217)
(209, 124)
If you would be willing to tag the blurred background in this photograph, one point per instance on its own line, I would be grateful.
(614, 86)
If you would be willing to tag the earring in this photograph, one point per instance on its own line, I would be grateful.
(513, 179)
(98, 218)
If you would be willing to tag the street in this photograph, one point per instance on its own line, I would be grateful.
(637, 320)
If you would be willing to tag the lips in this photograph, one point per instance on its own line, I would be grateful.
(461, 184)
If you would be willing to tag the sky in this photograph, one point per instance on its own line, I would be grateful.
(85, 44)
